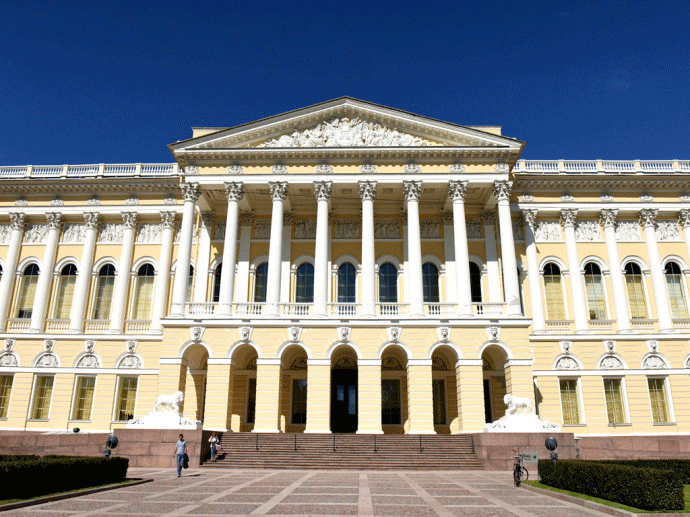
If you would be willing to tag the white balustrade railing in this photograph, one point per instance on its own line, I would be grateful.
(201, 308)
(601, 325)
(582, 166)
(392, 309)
(90, 170)
(248, 309)
(601, 166)
(96, 325)
(55, 325)
(681, 323)
(439, 309)
(488, 308)
(296, 309)
(137, 326)
(558, 325)
(344, 309)
(18, 323)
(642, 324)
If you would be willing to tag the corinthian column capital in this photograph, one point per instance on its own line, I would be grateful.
(190, 191)
(607, 217)
(278, 190)
(92, 219)
(502, 190)
(648, 217)
(168, 220)
(323, 190)
(568, 216)
(54, 220)
(130, 219)
(367, 190)
(18, 221)
(412, 190)
(234, 191)
(457, 190)
(530, 217)
(684, 218)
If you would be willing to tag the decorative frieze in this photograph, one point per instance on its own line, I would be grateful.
(148, 233)
(346, 229)
(305, 228)
(5, 231)
(21, 201)
(457, 168)
(567, 363)
(412, 168)
(430, 229)
(367, 168)
(627, 231)
(111, 233)
(235, 169)
(547, 231)
(94, 200)
(587, 231)
(667, 231)
(518, 233)
(219, 231)
(279, 168)
(132, 200)
(474, 228)
(73, 233)
(262, 229)
(611, 362)
(57, 201)
(324, 168)
(35, 233)
(387, 229)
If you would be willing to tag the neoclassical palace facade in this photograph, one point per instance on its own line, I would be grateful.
(347, 267)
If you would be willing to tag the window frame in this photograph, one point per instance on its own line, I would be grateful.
(34, 387)
(74, 397)
(564, 301)
(59, 284)
(20, 287)
(118, 388)
(604, 295)
(431, 284)
(580, 406)
(9, 396)
(396, 284)
(667, 396)
(94, 294)
(645, 292)
(137, 278)
(683, 288)
(624, 399)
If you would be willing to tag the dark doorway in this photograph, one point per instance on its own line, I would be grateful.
(344, 400)
(487, 401)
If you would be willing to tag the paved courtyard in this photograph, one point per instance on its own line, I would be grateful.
(215, 492)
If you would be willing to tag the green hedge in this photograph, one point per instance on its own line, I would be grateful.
(680, 466)
(22, 479)
(19, 457)
(644, 488)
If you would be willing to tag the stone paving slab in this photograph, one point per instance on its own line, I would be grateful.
(313, 493)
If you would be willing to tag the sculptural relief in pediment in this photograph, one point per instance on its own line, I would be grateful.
(347, 132)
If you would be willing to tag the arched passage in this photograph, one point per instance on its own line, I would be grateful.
(444, 389)
(394, 407)
(344, 403)
(194, 382)
(243, 395)
(293, 389)
(493, 364)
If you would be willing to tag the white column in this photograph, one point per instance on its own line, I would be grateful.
(286, 263)
(234, 193)
(449, 258)
(493, 272)
(18, 222)
(505, 227)
(184, 249)
(568, 216)
(663, 311)
(538, 323)
(456, 191)
(322, 191)
(607, 219)
(81, 289)
(203, 258)
(45, 277)
(121, 292)
(367, 191)
(160, 301)
(411, 190)
(243, 257)
(683, 219)
(279, 194)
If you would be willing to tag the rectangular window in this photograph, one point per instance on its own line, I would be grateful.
(63, 301)
(613, 390)
(299, 401)
(570, 403)
(126, 398)
(251, 400)
(438, 387)
(636, 299)
(390, 402)
(27, 293)
(104, 297)
(5, 391)
(83, 398)
(657, 396)
(555, 308)
(595, 297)
(679, 309)
(142, 298)
(43, 391)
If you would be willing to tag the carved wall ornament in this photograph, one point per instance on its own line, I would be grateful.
(439, 364)
(567, 363)
(606, 196)
(170, 199)
(457, 168)
(345, 363)
(88, 360)
(566, 346)
(502, 188)
(517, 230)
(684, 218)
(190, 191)
(567, 197)
(149, 233)
(684, 196)
(607, 217)
(5, 231)
(131, 345)
(57, 201)
(197, 333)
(132, 200)
(111, 233)
(493, 333)
(262, 229)
(648, 217)
(235, 169)
(367, 168)
(488, 218)
(47, 360)
(687, 363)
(130, 219)
(294, 333)
(412, 168)
(246, 219)
(646, 197)
(391, 362)
(457, 190)
(346, 132)
(387, 229)
(344, 334)
(324, 168)
(394, 333)
(35, 233)
(430, 229)
(89, 346)
(443, 334)
(17, 221)
(94, 200)
(530, 217)
(178, 233)
(653, 362)
(323, 190)
(547, 231)
(278, 190)
(279, 168)
(447, 218)
(610, 346)
(526, 197)
(207, 221)
(48, 344)
(502, 168)
(129, 361)
(191, 170)
(474, 228)
(21, 201)
(9, 344)
(287, 219)
(668, 231)
(305, 229)
(246, 333)
(611, 362)
(627, 231)
(587, 231)
(9, 359)
(653, 346)
(234, 191)
(219, 231)
(568, 217)
(367, 190)
(346, 229)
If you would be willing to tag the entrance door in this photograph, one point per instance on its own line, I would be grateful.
(343, 401)
(487, 401)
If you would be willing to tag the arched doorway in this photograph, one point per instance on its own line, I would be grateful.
(293, 389)
(394, 413)
(344, 403)
(493, 365)
(196, 357)
(243, 396)
(444, 389)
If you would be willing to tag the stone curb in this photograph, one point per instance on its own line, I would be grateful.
(59, 497)
(599, 507)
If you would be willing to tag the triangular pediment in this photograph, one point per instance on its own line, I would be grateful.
(346, 123)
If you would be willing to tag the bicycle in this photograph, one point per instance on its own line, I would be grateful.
(520, 473)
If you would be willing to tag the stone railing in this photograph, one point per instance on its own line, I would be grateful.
(488, 308)
(645, 325)
(601, 325)
(681, 323)
(57, 325)
(18, 324)
(248, 309)
(96, 325)
(558, 326)
(602, 166)
(296, 309)
(137, 326)
(392, 309)
(201, 308)
(439, 309)
(344, 309)
(100, 170)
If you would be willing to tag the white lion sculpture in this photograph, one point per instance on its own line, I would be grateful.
(172, 402)
(515, 403)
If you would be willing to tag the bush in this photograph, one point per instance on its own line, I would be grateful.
(19, 457)
(22, 479)
(680, 466)
(644, 488)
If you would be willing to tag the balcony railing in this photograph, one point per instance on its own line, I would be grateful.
(601, 325)
(488, 308)
(642, 324)
(96, 325)
(57, 325)
(622, 167)
(137, 326)
(439, 309)
(201, 308)
(99, 170)
(344, 309)
(558, 326)
(681, 323)
(18, 324)
(392, 309)
(248, 309)
(296, 309)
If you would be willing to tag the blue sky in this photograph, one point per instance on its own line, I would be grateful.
(89, 82)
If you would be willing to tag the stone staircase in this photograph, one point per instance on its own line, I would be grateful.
(345, 451)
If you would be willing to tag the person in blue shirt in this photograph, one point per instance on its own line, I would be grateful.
(180, 451)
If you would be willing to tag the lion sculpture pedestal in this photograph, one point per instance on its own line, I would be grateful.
(516, 421)
(165, 415)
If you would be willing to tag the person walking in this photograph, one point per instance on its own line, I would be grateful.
(180, 452)
(213, 440)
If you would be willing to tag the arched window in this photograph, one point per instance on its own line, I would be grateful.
(676, 293)
(594, 286)
(190, 283)
(388, 283)
(260, 280)
(143, 293)
(636, 298)
(430, 282)
(553, 291)
(347, 277)
(475, 283)
(216, 283)
(65, 292)
(27, 291)
(104, 292)
(304, 291)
